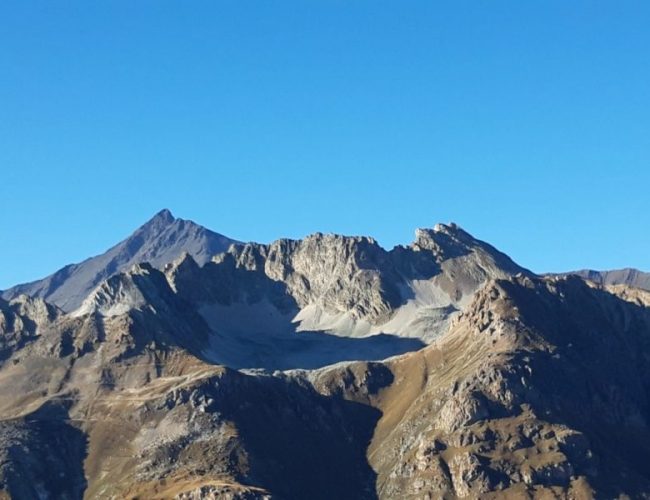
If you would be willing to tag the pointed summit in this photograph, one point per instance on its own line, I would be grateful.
(448, 241)
(159, 241)
(158, 222)
(156, 225)
(164, 215)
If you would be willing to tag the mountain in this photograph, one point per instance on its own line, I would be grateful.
(540, 389)
(627, 276)
(346, 297)
(158, 242)
(312, 302)
(329, 367)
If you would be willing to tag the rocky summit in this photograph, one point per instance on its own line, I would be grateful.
(183, 364)
(159, 241)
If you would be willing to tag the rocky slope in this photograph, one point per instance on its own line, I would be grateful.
(263, 374)
(158, 242)
(540, 388)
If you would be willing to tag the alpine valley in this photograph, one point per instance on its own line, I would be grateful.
(184, 364)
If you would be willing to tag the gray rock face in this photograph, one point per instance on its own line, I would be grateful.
(158, 242)
(21, 321)
(342, 274)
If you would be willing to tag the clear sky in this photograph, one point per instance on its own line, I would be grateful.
(527, 123)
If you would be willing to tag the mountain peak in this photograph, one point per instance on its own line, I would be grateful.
(156, 225)
(161, 219)
(450, 240)
(443, 236)
(450, 228)
(159, 241)
(165, 214)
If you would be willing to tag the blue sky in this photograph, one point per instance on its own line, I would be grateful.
(528, 123)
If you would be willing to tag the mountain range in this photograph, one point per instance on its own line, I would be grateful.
(628, 277)
(183, 364)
